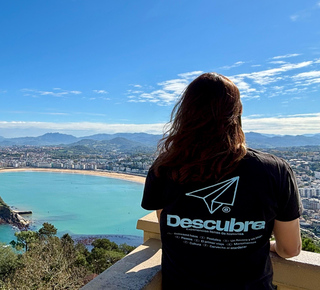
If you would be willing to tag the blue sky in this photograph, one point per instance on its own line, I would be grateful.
(83, 67)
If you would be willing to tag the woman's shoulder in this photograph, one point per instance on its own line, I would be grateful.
(265, 159)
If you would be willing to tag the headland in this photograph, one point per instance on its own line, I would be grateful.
(9, 216)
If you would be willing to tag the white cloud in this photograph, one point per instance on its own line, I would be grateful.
(291, 125)
(278, 88)
(192, 74)
(307, 75)
(245, 89)
(304, 115)
(305, 13)
(176, 86)
(167, 92)
(57, 92)
(160, 97)
(268, 76)
(22, 129)
(308, 78)
(277, 62)
(236, 64)
(255, 116)
(100, 91)
(252, 85)
(294, 17)
(286, 55)
(54, 114)
(45, 93)
(291, 90)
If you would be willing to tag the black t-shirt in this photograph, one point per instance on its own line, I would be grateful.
(215, 235)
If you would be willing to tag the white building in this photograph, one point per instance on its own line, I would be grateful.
(311, 203)
(44, 164)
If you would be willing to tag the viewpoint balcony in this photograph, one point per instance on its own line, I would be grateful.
(141, 268)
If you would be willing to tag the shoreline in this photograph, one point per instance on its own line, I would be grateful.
(118, 239)
(123, 176)
(132, 240)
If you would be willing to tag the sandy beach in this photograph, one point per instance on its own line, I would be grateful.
(128, 177)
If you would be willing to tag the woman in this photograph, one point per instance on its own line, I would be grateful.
(218, 202)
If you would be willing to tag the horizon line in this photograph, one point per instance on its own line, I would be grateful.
(155, 134)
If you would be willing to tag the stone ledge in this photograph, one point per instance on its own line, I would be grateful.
(150, 226)
(301, 272)
(138, 270)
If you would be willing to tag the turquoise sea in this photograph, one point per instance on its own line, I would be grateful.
(77, 204)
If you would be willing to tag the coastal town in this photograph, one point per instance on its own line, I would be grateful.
(305, 162)
(56, 157)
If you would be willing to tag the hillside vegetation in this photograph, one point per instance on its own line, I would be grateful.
(41, 260)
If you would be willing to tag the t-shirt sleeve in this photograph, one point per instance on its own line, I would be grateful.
(152, 195)
(290, 207)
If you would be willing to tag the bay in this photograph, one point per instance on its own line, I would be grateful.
(77, 204)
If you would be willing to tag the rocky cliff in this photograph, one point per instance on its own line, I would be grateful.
(7, 216)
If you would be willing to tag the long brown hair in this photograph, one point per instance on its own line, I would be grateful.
(205, 138)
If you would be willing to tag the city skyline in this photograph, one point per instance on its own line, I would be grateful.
(83, 68)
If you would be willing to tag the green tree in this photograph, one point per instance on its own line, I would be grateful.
(309, 245)
(52, 263)
(101, 259)
(9, 261)
(126, 249)
(105, 253)
(47, 230)
(82, 255)
(105, 244)
(67, 240)
(24, 240)
(49, 264)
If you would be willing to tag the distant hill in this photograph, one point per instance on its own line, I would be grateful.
(256, 140)
(144, 138)
(46, 139)
(118, 144)
(133, 141)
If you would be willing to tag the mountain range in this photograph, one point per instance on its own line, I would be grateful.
(128, 141)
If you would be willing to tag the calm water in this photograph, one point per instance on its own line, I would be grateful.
(74, 203)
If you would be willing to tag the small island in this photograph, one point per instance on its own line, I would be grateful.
(11, 217)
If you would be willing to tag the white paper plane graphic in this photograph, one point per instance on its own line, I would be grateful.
(217, 195)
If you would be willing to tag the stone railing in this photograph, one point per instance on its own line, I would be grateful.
(141, 268)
